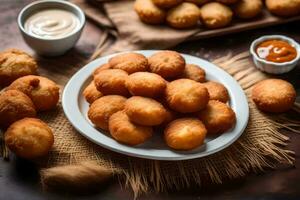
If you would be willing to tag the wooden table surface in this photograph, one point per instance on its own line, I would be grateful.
(19, 179)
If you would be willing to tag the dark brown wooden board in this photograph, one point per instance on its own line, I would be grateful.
(264, 20)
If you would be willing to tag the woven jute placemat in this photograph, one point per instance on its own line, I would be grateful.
(260, 146)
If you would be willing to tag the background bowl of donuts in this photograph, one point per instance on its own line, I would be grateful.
(186, 14)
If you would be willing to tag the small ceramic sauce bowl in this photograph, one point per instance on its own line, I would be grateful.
(274, 67)
(45, 46)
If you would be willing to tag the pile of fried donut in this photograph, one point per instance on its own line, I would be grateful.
(24, 94)
(131, 96)
(182, 14)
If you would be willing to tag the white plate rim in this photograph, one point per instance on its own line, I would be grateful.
(78, 121)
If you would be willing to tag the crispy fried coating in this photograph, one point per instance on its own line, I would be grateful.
(166, 3)
(171, 115)
(284, 8)
(228, 2)
(14, 105)
(185, 15)
(198, 2)
(274, 95)
(217, 117)
(125, 131)
(194, 72)
(216, 15)
(145, 111)
(129, 62)
(101, 109)
(185, 134)
(217, 91)
(148, 12)
(101, 68)
(168, 64)
(112, 81)
(146, 84)
(186, 96)
(15, 63)
(247, 9)
(91, 93)
(29, 138)
(43, 92)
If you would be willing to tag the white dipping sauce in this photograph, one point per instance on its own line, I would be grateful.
(52, 23)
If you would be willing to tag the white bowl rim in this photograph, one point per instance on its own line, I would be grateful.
(79, 122)
(72, 5)
(282, 37)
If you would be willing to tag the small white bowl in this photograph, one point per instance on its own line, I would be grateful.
(273, 67)
(45, 46)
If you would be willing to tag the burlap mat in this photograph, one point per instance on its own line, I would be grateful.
(260, 146)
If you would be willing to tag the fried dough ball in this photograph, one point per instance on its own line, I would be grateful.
(274, 95)
(185, 15)
(148, 12)
(14, 105)
(129, 62)
(101, 68)
(124, 131)
(284, 8)
(217, 117)
(15, 63)
(228, 2)
(217, 91)
(146, 84)
(168, 64)
(43, 92)
(29, 138)
(198, 2)
(171, 115)
(101, 109)
(216, 15)
(166, 3)
(186, 96)
(194, 72)
(91, 93)
(145, 111)
(247, 9)
(112, 81)
(185, 134)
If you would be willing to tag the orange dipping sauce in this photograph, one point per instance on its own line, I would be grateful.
(277, 51)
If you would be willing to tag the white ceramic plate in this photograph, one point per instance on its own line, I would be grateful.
(75, 108)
